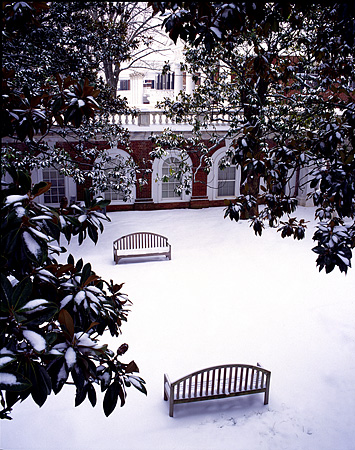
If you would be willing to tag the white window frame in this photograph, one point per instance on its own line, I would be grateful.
(157, 183)
(169, 186)
(70, 191)
(213, 180)
(115, 153)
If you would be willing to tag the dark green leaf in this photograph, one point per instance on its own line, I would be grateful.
(81, 395)
(110, 398)
(86, 272)
(59, 374)
(14, 382)
(92, 394)
(40, 188)
(87, 198)
(22, 293)
(93, 233)
(41, 384)
(6, 290)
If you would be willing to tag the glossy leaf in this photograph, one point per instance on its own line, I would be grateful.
(66, 320)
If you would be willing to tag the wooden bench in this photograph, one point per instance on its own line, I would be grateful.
(141, 244)
(217, 382)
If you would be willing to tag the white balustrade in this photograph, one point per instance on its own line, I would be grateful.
(159, 118)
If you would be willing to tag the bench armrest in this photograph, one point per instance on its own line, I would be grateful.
(167, 387)
(166, 379)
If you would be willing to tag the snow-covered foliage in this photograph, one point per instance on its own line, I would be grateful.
(52, 315)
(52, 85)
(282, 79)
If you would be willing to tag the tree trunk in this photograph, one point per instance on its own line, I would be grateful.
(111, 74)
(250, 181)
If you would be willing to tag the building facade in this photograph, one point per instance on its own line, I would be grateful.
(144, 89)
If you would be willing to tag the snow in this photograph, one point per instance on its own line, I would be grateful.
(8, 379)
(217, 32)
(79, 297)
(70, 357)
(20, 211)
(39, 234)
(15, 198)
(32, 244)
(84, 340)
(226, 296)
(62, 221)
(36, 340)
(35, 304)
(66, 300)
(4, 360)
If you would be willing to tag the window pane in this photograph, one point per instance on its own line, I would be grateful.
(226, 174)
(226, 188)
(169, 187)
(165, 81)
(124, 85)
(57, 190)
(112, 194)
(226, 181)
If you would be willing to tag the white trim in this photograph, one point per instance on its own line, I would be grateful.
(212, 179)
(69, 188)
(117, 152)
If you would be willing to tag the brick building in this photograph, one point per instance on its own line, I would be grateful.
(143, 90)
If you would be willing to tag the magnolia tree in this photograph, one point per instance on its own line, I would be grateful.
(282, 78)
(53, 315)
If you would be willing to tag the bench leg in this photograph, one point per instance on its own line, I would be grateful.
(266, 398)
(171, 407)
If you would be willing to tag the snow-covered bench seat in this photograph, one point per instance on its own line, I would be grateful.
(142, 243)
(217, 382)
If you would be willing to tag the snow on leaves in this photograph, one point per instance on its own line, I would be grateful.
(334, 245)
(53, 315)
(286, 93)
(35, 339)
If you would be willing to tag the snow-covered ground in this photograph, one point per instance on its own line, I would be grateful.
(226, 296)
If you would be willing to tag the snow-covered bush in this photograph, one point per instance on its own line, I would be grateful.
(52, 315)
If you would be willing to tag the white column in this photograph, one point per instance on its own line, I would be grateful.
(190, 84)
(137, 88)
(178, 81)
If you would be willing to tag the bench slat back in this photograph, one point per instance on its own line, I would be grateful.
(140, 240)
(221, 380)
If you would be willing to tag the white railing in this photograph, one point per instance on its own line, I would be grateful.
(157, 117)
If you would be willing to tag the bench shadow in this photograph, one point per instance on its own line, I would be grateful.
(142, 259)
(237, 407)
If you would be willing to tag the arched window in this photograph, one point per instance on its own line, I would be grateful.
(121, 182)
(222, 182)
(165, 186)
(169, 182)
(112, 194)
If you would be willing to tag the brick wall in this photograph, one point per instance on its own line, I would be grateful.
(140, 152)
